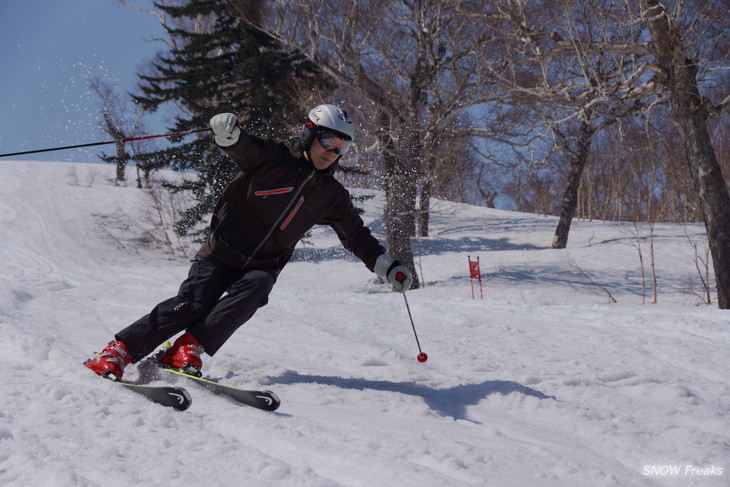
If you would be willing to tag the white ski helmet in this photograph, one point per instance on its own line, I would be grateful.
(329, 117)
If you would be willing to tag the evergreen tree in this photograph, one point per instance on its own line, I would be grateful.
(221, 64)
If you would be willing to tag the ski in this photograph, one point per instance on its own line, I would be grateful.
(266, 400)
(170, 396)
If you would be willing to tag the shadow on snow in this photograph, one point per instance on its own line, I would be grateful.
(451, 402)
(421, 247)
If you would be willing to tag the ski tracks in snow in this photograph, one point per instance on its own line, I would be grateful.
(539, 384)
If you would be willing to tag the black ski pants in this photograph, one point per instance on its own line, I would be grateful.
(201, 308)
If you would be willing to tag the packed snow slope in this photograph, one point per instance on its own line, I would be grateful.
(541, 383)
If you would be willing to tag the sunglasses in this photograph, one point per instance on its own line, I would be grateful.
(333, 142)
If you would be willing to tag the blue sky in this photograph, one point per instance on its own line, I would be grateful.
(49, 50)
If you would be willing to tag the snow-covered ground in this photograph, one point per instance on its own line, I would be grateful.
(541, 383)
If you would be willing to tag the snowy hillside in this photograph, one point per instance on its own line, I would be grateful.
(542, 383)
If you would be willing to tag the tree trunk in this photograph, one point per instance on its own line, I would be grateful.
(424, 208)
(578, 161)
(399, 213)
(711, 187)
(118, 134)
(690, 117)
(122, 163)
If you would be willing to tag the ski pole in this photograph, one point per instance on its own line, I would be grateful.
(422, 357)
(130, 139)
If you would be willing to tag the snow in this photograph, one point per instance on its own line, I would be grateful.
(543, 382)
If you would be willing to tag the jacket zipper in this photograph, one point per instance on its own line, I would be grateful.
(283, 213)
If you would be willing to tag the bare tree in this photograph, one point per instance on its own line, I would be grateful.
(638, 172)
(416, 67)
(702, 264)
(686, 48)
(117, 123)
(569, 67)
(692, 40)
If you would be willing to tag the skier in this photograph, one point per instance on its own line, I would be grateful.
(280, 193)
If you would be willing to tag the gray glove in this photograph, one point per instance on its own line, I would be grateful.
(225, 128)
(394, 272)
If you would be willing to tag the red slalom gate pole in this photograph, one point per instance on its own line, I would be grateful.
(92, 144)
(475, 273)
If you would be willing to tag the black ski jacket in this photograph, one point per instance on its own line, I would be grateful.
(275, 199)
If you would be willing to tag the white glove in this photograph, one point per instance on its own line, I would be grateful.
(394, 272)
(225, 128)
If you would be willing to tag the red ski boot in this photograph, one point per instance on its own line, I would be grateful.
(184, 355)
(111, 361)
